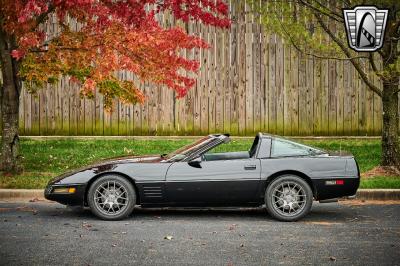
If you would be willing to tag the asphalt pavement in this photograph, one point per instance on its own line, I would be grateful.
(43, 233)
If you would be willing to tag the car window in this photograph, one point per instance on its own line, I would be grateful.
(287, 148)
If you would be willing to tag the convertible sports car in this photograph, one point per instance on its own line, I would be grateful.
(284, 175)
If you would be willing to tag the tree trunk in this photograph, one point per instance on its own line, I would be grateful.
(10, 107)
(390, 130)
(390, 96)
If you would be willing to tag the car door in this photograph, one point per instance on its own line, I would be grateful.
(208, 183)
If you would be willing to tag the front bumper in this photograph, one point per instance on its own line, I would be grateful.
(73, 199)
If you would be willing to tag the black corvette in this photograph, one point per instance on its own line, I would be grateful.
(284, 175)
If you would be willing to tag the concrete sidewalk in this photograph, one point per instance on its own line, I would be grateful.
(18, 195)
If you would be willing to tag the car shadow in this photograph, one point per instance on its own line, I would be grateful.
(320, 213)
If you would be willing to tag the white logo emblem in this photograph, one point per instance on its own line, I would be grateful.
(365, 27)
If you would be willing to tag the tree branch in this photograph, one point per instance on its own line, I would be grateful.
(42, 17)
(330, 10)
(292, 42)
(346, 51)
(315, 9)
(372, 62)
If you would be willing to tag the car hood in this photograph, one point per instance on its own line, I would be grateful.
(109, 163)
(132, 159)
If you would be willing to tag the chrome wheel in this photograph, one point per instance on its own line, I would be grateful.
(111, 197)
(289, 198)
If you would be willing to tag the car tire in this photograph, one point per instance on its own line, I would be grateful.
(288, 198)
(111, 197)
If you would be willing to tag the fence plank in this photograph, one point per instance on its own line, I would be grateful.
(317, 98)
(287, 127)
(272, 85)
(249, 82)
(340, 100)
(280, 65)
(241, 109)
(302, 88)
(294, 91)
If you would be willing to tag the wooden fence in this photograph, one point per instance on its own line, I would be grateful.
(249, 82)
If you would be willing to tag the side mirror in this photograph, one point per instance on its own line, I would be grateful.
(195, 164)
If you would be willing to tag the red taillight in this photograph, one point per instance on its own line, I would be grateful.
(334, 182)
(340, 182)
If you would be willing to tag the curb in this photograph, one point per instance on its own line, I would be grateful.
(18, 195)
(378, 194)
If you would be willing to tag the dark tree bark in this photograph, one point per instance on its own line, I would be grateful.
(10, 106)
(390, 134)
(390, 98)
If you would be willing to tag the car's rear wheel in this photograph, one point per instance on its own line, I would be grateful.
(288, 198)
(111, 197)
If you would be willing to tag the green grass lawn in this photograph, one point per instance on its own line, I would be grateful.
(44, 159)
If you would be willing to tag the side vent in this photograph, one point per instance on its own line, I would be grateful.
(152, 191)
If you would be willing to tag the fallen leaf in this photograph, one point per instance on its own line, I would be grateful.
(232, 227)
(241, 245)
(129, 151)
(114, 245)
(168, 237)
(332, 258)
(124, 233)
(34, 200)
(25, 209)
(322, 223)
(86, 225)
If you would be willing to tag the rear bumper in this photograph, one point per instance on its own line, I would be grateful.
(328, 191)
(72, 199)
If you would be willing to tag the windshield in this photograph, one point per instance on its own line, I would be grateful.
(181, 153)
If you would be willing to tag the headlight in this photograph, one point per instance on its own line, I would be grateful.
(64, 190)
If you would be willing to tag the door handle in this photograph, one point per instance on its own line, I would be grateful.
(250, 167)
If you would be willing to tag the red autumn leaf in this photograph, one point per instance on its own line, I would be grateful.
(17, 54)
(111, 35)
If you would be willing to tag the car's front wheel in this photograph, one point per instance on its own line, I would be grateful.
(288, 198)
(111, 197)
